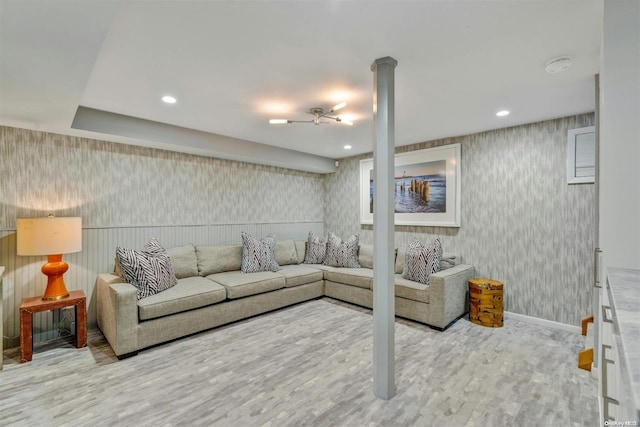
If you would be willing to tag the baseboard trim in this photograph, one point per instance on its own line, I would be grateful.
(543, 322)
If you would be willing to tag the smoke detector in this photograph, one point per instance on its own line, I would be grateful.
(558, 64)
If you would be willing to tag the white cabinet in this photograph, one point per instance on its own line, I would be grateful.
(609, 363)
(619, 326)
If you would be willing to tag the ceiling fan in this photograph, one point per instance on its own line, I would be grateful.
(318, 113)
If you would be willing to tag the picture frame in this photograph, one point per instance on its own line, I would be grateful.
(440, 167)
(581, 155)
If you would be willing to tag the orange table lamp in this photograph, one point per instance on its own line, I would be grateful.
(53, 237)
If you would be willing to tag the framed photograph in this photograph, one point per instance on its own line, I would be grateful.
(581, 155)
(427, 187)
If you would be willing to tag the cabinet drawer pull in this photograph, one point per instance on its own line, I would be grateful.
(606, 400)
(605, 407)
(596, 268)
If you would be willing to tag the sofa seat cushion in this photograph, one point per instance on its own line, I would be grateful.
(322, 267)
(296, 275)
(360, 277)
(189, 293)
(409, 289)
(239, 284)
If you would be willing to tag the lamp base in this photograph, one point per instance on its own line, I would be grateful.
(54, 269)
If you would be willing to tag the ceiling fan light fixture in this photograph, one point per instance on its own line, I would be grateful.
(318, 114)
(339, 106)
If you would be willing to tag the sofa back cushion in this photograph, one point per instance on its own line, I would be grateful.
(400, 255)
(301, 249)
(365, 256)
(286, 252)
(448, 260)
(184, 261)
(217, 259)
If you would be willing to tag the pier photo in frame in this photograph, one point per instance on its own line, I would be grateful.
(426, 188)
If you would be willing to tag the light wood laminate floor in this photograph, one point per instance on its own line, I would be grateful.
(307, 365)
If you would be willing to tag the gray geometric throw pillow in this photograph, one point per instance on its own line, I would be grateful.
(422, 261)
(148, 270)
(316, 249)
(258, 255)
(342, 254)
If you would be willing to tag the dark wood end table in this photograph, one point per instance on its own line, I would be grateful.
(37, 304)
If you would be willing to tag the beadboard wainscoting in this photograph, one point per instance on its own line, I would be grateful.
(521, 223)
(23, 278)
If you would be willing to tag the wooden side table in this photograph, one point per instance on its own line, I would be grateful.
(1, 318)
(36, 304)
(485, 302)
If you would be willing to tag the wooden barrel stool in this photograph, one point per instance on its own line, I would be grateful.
(485, 302)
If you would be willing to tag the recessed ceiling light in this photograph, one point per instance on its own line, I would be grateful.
(169, 99)
(347, 147)
(502, 113)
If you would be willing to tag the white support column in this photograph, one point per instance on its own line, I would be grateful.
(383, 228)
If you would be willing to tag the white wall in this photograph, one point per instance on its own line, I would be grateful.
(619, 224)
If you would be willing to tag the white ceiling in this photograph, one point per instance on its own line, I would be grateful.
(232, 65)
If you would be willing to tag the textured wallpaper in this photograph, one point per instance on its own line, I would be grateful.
(521, 223)
(111, 184)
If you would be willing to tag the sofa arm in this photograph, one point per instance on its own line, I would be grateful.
(118, 313)
(449, 288)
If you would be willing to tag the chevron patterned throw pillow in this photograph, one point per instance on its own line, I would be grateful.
(422, 261)
(258, 255)
(316, 249)
(342, 253)
(148, 270)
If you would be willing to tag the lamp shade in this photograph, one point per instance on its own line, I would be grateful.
(49, 236)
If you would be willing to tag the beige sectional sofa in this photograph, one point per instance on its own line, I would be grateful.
(212, 291)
